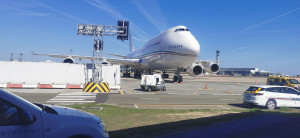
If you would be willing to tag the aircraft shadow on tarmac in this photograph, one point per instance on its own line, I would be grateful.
(239, 121)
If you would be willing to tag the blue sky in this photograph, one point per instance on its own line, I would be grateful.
(249, 33)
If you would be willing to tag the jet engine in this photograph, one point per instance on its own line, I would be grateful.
(194, 69)
(211, 67)
(68, 60)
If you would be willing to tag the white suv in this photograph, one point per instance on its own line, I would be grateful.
(22, 119)
(272, 96)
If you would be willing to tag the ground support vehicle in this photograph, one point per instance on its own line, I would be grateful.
(283, 81)
(152, 82)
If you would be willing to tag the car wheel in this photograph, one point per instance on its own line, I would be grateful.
(271, 104)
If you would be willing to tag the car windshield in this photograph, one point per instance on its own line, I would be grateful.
(293, 81)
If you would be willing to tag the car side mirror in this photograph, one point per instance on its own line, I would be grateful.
(27, 118)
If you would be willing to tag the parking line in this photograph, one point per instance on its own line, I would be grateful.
(136, 106)
(227, 99)
(223, 107)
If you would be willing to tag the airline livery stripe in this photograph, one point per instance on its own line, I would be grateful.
(165, 52)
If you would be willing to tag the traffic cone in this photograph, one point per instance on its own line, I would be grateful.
(206, 87)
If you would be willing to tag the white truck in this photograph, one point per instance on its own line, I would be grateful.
(152, 82)
(22, 119)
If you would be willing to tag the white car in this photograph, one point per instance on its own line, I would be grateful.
(22, 119)
(272, 96)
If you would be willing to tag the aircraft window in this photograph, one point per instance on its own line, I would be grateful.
(187, 29)
(181, 29)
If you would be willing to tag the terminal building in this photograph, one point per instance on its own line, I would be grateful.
(243, 72)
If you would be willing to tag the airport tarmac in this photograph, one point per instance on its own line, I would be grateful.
(217, 92)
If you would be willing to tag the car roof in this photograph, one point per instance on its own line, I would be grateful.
(267, 86)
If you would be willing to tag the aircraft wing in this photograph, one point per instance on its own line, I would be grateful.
(204, 62)
(65, 56)
(130, 62)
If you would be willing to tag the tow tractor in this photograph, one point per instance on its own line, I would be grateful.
(152, 82)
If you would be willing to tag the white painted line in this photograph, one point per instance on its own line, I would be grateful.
(136, 106)
(227, 99)
(223, 107)
(226, 94)
(149, 98)
(174, 93)
(57, 99)
(76, 96)
(70, 101)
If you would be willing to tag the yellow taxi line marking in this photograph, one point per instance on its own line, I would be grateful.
(122, 92)
(196, 91)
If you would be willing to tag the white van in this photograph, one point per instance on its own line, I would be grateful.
(272, 96)
(22, 119)
(152, 82)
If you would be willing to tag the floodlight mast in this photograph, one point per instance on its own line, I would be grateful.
(98, 31)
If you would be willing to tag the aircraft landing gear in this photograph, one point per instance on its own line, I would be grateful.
(164, 75)
(177, 76)
(137, 74)
(126, 74)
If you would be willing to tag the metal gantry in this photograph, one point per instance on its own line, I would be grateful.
(98, 31)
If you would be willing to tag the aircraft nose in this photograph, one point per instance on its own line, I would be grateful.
(192, 46)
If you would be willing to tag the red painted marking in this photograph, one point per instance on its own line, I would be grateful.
(43, 86)
(14, 85)
(73, 86)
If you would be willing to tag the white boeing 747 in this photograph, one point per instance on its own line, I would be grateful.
(175, 48)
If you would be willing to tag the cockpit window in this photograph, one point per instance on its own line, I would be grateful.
(181, 29)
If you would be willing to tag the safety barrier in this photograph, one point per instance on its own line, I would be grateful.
(96, 87)
(42, 86)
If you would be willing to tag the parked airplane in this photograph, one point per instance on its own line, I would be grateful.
(175, 48)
